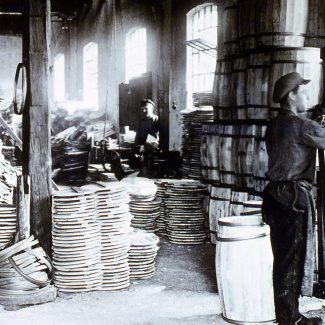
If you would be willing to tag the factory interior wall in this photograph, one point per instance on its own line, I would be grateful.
(165, 22)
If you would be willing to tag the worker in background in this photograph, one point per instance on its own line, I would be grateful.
(147, 137)
(288, 202)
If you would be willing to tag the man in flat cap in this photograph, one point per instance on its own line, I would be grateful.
(147, 136)
(288, 203)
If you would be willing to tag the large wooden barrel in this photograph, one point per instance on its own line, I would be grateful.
(281, 22)
(315, 36)
(260, 160)
(231, 32)
(258, 70)
(239, 89)
(210, 138)
(242, 156)
(218, 208)
(244, 263)
(247, 29)
(221, 93)
(226, 162)
(307, 62)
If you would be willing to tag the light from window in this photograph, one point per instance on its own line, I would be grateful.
(202, 23)
(90, 75)
(136, 53)
(59, 79)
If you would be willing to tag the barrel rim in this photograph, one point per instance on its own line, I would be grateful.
(226, 222)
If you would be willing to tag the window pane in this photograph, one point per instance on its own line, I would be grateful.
(59, 79)
(136, 53)
(90, 75)
(203, 24)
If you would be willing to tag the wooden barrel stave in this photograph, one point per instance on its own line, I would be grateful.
(260, 160)
(281, 23)
(315, 36)
(221, 93)
(227, 175)
(258, 71)
(237, 200)
(218, 208)
(210, 138)
(244, 157)
(239, 89)
(247, 29)
(230, 21)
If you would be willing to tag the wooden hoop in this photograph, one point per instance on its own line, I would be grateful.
(19, 110)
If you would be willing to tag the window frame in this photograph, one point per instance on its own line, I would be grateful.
(136, 45)
(59, 78)
(90, 75)
(195, 27)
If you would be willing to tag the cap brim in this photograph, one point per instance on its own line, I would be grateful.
(305, 81)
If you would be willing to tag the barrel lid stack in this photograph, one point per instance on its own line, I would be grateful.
(145, 212)
(7, 224)
(142, 254)
(76, 236)
(191, 140)
(144, 206)
(114, 216)
(185, 213)
(161, 195)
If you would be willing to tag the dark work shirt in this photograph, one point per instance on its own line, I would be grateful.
(291, 143)
(148, 125)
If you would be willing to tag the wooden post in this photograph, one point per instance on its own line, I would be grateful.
(36, 118)
(23, 207)
(321, 204)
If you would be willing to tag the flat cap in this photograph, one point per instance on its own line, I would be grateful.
(147, 101)
(287, 83)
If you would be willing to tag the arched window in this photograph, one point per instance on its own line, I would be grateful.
(59, 78)
(202, 25)
(90, 75)
(136, 53)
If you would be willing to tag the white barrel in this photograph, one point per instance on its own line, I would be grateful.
(244, 265)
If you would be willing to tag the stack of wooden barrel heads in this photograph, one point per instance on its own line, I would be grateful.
(262, 40)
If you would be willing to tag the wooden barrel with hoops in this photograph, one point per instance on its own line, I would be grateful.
(244, 260)
(281, 23)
